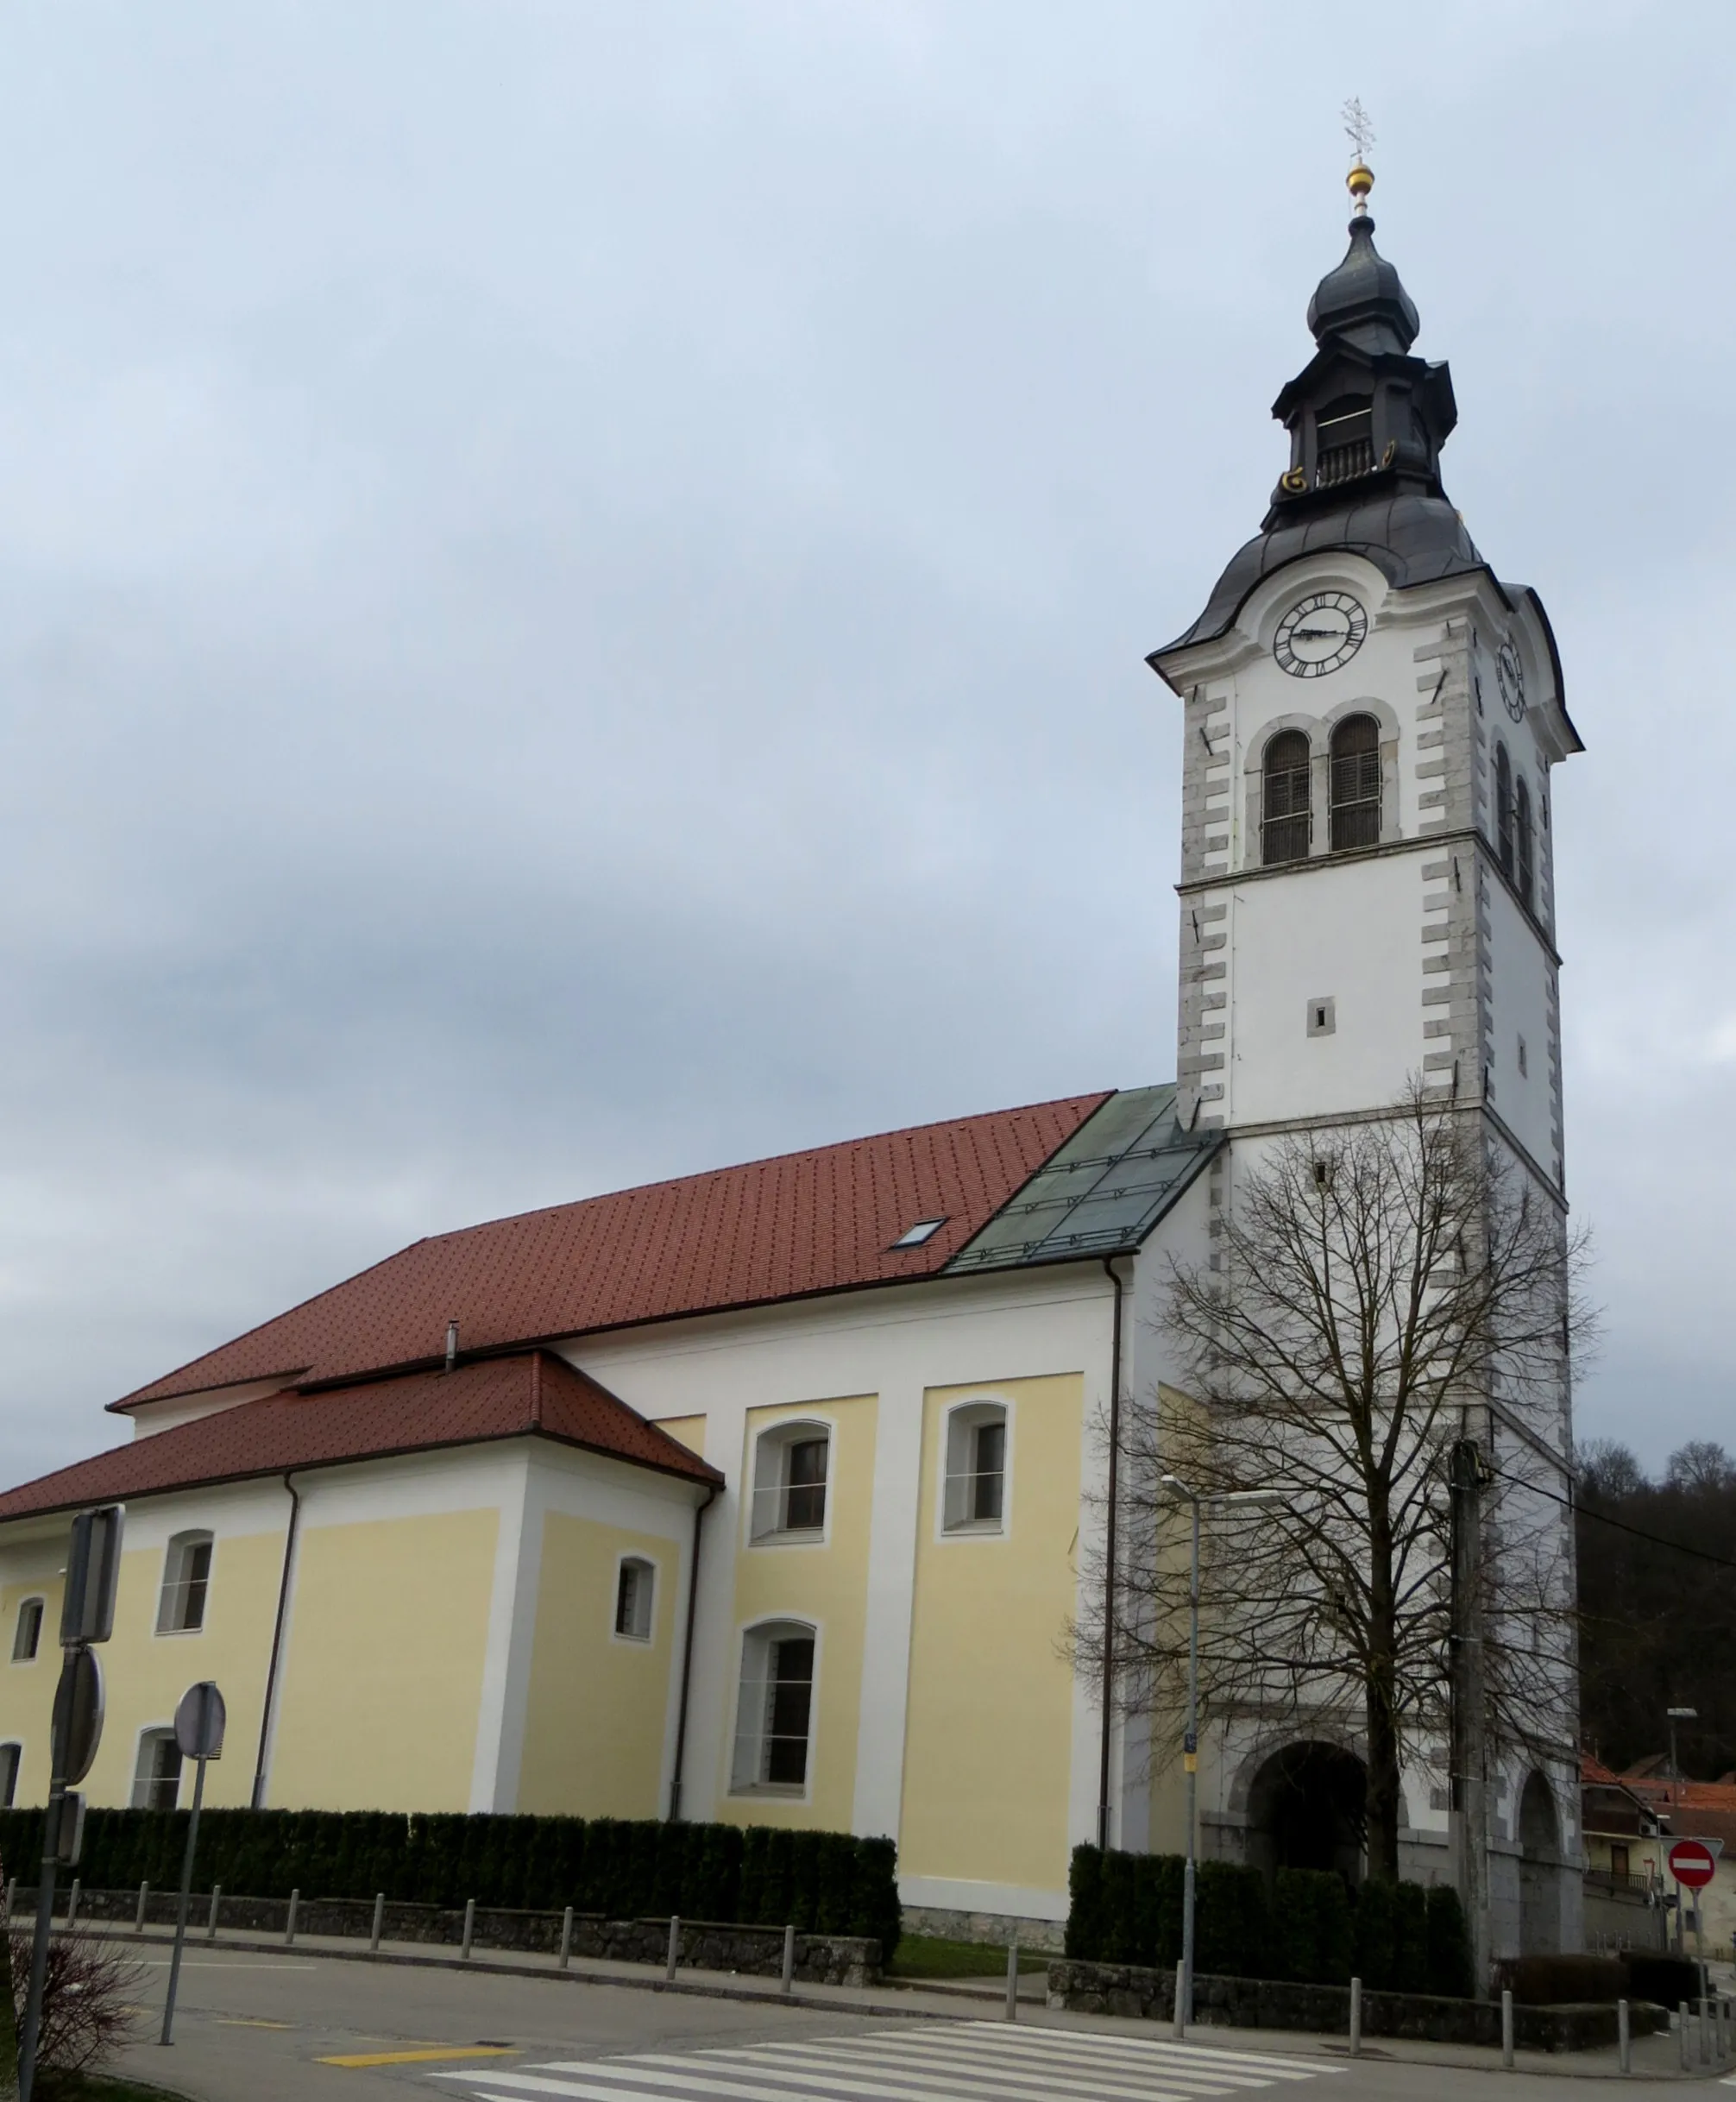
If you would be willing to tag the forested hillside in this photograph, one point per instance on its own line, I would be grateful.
(1658, 1627)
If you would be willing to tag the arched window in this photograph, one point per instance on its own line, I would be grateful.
(1504, 810)
(791, 1465)
(27, 1637)
(186, 1581)
(775, 1711)
(975, 1498)
(1523, 841)
(1286, 827)
(635, 1594)
(157, 1774)
(1356, 783)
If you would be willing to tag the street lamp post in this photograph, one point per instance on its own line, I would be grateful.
(1674, 1715)
(1190, 1741)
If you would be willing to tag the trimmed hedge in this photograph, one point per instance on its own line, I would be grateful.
(820, 1882)
(1307, 1927)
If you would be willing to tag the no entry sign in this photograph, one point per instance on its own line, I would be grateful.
(1692, 1862)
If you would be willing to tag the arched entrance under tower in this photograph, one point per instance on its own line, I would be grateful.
(1539, 1837)
(1306, 1809)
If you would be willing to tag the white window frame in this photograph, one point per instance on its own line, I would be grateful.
(749, 1746)
(644, 1602)
(9, 1771)
(41, 1603)
(171, 1598)
(768, 1497)
(959, 1421)
(153, 1734)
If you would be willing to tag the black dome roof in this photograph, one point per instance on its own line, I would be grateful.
(1362, 301)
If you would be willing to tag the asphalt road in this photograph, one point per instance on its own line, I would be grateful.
(267, 2027)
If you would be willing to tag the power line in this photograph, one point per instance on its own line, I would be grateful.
(1581, 1510)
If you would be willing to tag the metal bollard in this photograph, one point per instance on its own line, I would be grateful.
(211, 1923)
(72, 1904)
(139, 1916)
(566, 1937)
(378, 1923)
(1681, 2032)
(789, 1978)
(469, 1927)
(1705, 2031)
(1624, 2036)
(673, 1946)
(1178, 2026)
(1507, 2027)
(289, 1929)
(1356, 2018)
(1013, 1979)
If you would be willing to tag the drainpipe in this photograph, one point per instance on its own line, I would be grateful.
(1109, 1599)
(699, 1512)
(265, 1716)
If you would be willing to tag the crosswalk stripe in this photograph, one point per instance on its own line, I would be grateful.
(1139, 2050)
(1006, 2072)
(648, 2077)
(1034, 2068)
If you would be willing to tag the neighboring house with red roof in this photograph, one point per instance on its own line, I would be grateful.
(1675, 1809)
(434, 1531)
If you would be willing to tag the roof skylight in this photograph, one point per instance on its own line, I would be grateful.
(924, 1229)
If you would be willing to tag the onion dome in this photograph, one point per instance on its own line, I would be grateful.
(1363, 302)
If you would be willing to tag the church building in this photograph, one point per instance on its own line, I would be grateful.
(771, 1493)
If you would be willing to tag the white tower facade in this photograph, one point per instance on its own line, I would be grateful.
(1372, 718)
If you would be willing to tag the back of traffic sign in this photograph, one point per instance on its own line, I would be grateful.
(199, 1721)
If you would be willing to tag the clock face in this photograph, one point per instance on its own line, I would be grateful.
(1509, 678)
(1319, 633)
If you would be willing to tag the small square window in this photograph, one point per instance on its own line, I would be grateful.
(27, 1639)
(1322, 1018)
(635, 1589)
(924, 1229)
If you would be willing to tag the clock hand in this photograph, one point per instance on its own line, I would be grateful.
(1319, 634)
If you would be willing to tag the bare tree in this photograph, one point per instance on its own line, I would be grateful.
(89, 2000)
(1378, 1292)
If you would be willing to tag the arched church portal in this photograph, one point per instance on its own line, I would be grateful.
(1306, 1809)
(1539, 1837)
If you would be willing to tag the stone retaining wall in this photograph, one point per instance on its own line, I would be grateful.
(1254, 2003)
(706, 1945)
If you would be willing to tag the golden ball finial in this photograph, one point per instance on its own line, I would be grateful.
(1359, 182)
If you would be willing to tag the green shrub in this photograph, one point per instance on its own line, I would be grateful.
(1410, 1938)
(1449, 1946)
(1375, 1930)
(1232, 1928)
(1085, 1906)
(1312, 1936)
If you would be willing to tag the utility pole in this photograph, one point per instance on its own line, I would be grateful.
(1469, 1750)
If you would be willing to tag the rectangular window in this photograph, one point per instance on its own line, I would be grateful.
(791, 1465)
(10, 1756)
(975, 1492)
(804, 1506)
(28, 1638)
(157, 1777)
(186, 1581)
(634, 1590)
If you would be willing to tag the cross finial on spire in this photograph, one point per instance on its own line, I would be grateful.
(1361, 133)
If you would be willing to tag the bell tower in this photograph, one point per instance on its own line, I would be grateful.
(1371, 717)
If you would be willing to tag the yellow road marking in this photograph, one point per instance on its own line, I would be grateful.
(417, 2058)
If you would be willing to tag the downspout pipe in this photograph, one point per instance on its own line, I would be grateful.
(699, 1512)
(1112, 1519)
(267, 1714)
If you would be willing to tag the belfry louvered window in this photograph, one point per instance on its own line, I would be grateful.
(1504, 810)
(1287, 828)
(1356, 783)
(1345, 441)
(1526, 844)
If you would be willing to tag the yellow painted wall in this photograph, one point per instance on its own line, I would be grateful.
(688, 1431)
(382, 1674)
(594, 1716)
(989, 1727)
(27, 1690)
(827, 1584)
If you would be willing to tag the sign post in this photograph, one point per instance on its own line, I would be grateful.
(199, 1723)
(1694, 1863)
(87, 1617)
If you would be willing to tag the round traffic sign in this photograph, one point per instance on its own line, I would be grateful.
(75, 1727)
(1692, 1862)
(199, 1721)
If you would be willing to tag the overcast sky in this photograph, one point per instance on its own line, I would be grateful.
(574, 579)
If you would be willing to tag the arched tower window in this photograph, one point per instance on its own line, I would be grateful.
(1286, 827)
(1344, 440)
(1504, 810)
(1525, 844)
(1356, 783)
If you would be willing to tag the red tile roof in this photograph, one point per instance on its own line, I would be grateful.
(801, 1224)
(531, 1394)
